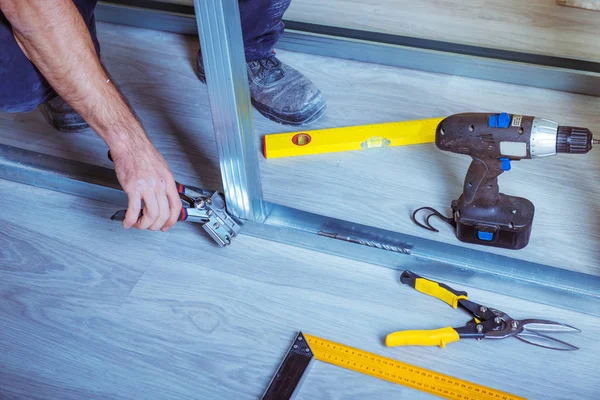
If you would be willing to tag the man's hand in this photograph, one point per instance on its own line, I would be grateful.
(145, 176)
(56, 39)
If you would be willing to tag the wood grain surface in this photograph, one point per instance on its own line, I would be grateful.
(532, 26)
(377, 187)
(89, 310)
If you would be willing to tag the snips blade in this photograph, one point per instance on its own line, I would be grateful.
(533, 332)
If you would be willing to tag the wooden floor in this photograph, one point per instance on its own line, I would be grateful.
(532, 26)
(377, 187)
(91, 311)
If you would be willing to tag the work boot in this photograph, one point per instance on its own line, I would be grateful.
(280, 92)
(62, 116)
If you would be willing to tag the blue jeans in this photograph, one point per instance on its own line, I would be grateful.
(23, 88)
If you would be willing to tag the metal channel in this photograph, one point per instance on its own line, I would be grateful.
(222, 46)
(147, 18)
(448, 263)
(505, 71)
(577, 76)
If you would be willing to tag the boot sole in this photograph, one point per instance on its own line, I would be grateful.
(308, 117)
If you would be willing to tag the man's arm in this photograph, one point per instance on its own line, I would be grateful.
(55, 38)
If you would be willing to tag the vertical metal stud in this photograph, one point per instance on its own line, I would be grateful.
(219, 27)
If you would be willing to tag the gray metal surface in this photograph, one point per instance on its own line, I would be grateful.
(147, 18)
(415, 53)
(470, 66)
(222, 45)
(439, 261)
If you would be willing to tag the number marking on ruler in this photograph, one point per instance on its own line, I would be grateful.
(401, 373)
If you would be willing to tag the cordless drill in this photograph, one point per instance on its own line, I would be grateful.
(482, 214)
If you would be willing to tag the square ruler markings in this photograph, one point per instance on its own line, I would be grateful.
(305, 348)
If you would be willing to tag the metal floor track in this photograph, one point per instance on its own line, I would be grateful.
(443, 262)
(556, 73)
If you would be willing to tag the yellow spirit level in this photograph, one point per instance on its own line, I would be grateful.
(350, 138)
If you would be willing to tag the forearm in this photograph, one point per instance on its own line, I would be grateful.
(54, 36)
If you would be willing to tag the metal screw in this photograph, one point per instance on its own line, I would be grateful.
(208, 201)
(200, 204)
(295, 346)
(307, 350)
(216, 225)
(209, 213)
(514, 212)
(515, 324)
(497, 320)
(299, 339)
(482, 309)
(479, 328)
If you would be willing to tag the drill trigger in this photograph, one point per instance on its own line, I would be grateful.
(432, 212)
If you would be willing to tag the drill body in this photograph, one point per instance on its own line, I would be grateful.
(482, 214)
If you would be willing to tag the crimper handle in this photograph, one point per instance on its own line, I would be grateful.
(120, 215)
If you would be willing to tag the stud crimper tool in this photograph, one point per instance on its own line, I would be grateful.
(204, 207)
(487, 322)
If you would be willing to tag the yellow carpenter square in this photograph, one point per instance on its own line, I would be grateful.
(350, 138)
(388, 369)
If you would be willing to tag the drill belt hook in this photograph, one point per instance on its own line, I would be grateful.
(432, 212)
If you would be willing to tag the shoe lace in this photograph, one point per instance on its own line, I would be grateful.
(269, 69)
(270, 62)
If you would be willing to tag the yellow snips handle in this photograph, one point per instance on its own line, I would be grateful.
(435, 337)
(432, 288)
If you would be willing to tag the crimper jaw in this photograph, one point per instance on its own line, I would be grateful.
(203, 207)
(209, 210)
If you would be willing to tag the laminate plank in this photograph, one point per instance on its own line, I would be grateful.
(57, 245)
(537, 26)
(533, 26)
(203, 322)
(377, 187)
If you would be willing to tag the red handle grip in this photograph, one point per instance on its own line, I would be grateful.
(120, 215)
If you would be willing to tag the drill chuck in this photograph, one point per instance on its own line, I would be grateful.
(574, 140)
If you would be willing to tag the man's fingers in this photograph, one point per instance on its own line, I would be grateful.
(150, 210)
(174, 206)
(133, 209)
(163, 211)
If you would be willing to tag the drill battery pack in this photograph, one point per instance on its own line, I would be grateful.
(507, 224)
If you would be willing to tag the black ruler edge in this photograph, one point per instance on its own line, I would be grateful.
(291, 371)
